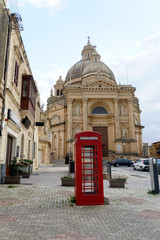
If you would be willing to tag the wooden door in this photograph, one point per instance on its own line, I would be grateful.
(104, 138)
(9, 154)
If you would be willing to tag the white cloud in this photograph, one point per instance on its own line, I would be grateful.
(151, 42)
(144, 74)
(48, 80)
(56, 4)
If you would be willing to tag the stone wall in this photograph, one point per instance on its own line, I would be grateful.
(4, 23)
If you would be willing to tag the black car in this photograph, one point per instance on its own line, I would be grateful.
(122, 162)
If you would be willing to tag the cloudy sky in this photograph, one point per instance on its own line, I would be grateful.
(127, 36)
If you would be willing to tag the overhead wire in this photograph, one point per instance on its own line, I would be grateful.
(14, 6)
(17, 6)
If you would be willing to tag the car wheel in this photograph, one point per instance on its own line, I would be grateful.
(141, 168)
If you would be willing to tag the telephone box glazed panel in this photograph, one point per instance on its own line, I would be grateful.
(88, 169)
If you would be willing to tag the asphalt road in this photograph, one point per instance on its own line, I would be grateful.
(135, 179)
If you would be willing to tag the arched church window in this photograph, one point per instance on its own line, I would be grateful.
(99, 110)
(57, 92)
(61, 92)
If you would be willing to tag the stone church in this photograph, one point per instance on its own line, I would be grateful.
(89, 99)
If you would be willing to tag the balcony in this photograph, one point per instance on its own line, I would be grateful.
(28, 96)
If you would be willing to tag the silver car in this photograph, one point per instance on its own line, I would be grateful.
(141, 164)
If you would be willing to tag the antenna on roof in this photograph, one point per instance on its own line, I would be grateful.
(16, 17)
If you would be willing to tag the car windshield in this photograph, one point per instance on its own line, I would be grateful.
(139, 160)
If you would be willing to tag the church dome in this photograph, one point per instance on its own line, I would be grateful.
(98, 68)
(76, 70)
(90, 64)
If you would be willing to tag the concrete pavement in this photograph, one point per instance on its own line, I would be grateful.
(39, 209)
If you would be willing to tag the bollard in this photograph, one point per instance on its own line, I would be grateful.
(109, 170)
(154, 175)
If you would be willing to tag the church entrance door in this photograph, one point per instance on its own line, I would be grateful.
(104, 137)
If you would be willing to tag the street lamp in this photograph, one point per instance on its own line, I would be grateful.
(124, 148)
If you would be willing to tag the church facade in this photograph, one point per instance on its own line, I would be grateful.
(91, 100)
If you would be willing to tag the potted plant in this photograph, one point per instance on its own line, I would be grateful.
(117, 182)
(26, 168)
(67, 181)
(23, 171)
(14, 177)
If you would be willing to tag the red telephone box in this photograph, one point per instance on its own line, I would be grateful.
(88, 169)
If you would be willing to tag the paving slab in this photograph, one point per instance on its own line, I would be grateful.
(39, 209)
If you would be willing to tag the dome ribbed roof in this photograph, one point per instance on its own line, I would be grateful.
(76, 70)
(100, 68)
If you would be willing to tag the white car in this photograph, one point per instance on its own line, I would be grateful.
(141, 164)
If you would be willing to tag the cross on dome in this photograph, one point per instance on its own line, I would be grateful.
(88, 40)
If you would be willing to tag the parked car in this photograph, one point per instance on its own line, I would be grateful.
(122, 162)
(141, 164)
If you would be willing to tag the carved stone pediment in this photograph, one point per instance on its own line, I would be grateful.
(100, 84)
(54, 108)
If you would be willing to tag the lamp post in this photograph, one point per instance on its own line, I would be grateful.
(124, 148)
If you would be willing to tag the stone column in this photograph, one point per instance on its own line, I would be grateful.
(131, 119)
(85, 114)
(111, 135)
(62, 144)
(140, 144)
(116, 113)
(58, 136)
(69, 119)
